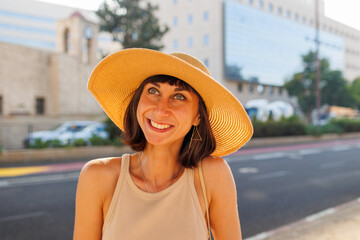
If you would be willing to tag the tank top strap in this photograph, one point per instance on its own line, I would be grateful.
(191, 181)
(205, 198)
(125, 161)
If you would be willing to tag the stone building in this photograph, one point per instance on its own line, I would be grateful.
(40, 88)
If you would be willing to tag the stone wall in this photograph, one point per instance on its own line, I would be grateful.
(27, 73)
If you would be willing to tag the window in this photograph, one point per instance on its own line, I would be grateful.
(271, 7)
(1, 105)
(296, 16)
(206, 62)
(190, 42)
(175, 21)
(67, 45)
(206, 16)
(260, 89)
(304, 19)
(190, 18)
(261, 3)
(240, 87)
(251, 87)
(280, 90)
(40, 106)
(250, 2)
(288, 13)
(175, 1)
(270, 90)
(175, 44)
(280, 10)
(206, 40)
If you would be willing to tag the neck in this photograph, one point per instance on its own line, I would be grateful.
(159, 165)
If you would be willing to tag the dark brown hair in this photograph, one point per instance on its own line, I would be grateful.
(189, 156)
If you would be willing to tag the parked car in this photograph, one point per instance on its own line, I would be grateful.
(86, 133)
(67, 127)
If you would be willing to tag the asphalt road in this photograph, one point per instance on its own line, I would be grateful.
(275, 186)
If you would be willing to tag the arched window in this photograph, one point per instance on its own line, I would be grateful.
(66, 40)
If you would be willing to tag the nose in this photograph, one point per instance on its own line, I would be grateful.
(162, 108)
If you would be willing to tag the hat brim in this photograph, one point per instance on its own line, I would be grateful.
(117, 76)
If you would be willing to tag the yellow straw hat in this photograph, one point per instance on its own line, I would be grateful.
(117, 76)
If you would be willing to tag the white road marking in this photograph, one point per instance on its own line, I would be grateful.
(269, 175)
(259, 236)
(293, 155)
(309, 151)
(21, 216)
(4, 184)
(321, 214)
(341, 148)
(246, 170)
(36, 180)
(265, 156)
(331, 165)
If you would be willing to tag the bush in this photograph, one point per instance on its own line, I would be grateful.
(291, 126)
(347, 125)
(79, 143)
(55, 143)
(328, 128)
(38, 143)
(112, 129)
(1, 149)
(98, 141)
(117, 142)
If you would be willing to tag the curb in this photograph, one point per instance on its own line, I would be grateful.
(60, 154)
(301, 224)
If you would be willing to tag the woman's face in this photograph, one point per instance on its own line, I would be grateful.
(166, 113)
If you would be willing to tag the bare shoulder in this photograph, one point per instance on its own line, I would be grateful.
(101, 168)
(215, 166)
(217, 174)
(101, 174)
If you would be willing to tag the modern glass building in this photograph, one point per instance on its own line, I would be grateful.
(34, 24)
(264, 48)
(253, 46)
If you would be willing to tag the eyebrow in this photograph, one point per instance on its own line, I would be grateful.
(176, 89)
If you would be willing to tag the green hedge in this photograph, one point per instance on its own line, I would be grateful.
(346, 125)
(285, 127)
(293, 126)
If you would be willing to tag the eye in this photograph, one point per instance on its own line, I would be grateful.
(153, 90)
(179, 97)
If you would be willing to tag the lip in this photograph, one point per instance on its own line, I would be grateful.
(156, 129)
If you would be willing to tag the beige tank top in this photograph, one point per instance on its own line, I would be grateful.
(171, 214)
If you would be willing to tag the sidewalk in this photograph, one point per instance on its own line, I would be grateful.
(338, 223)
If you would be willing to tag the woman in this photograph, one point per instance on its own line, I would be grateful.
(179, 121)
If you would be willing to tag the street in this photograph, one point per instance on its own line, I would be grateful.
(275, 186)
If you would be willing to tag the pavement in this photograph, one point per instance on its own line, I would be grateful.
(337, 223)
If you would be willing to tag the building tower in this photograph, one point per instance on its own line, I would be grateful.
(77, 37)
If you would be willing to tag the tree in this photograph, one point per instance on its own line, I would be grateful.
(132, 23)
(334, 88)
(355, 87)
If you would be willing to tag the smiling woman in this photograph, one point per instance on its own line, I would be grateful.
(179, 121)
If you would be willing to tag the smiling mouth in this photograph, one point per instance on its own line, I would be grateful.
(158, 125)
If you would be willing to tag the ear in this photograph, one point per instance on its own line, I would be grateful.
(197, 120)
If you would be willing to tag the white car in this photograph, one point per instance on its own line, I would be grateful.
(67, 127)
(86, 133)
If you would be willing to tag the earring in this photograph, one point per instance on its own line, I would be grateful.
(195, 136)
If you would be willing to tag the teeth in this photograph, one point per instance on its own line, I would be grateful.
(159, 126)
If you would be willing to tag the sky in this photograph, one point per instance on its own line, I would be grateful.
(344, 11)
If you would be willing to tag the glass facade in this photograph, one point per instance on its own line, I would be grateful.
(265, 48)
